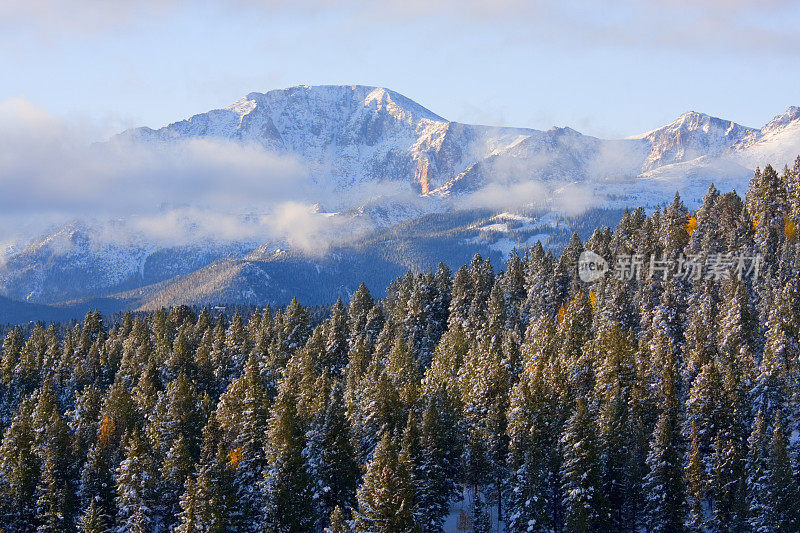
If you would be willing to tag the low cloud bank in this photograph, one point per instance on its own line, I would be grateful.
(172, 194)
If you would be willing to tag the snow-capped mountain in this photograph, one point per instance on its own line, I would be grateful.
(346, 135)
(776, 143)
(381, 162)
(349, 136)
(691, 136)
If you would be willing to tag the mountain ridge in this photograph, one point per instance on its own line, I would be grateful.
(357, 138)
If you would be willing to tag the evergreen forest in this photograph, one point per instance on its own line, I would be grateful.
(518, 393)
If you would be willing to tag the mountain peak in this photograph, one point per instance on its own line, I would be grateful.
(690, 135)
(316, 96)
(790, 116)
(693, 114)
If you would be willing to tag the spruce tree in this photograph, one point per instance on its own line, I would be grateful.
(783, 488)
(386, 497)
(336, 347)
(585, 504)
(137, 487)
(535, 500)
(19, 472)
(331, 457)
(92, 520)
(663, 485)
(437, 466)
(287, 484)
(759, 482)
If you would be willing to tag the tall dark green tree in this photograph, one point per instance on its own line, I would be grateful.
(585, 503)
(386, 498)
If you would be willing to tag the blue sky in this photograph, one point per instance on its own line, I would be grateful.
(610, 69)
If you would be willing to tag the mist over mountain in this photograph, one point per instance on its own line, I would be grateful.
(307, 190)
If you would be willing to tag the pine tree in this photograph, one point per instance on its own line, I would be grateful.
(331, 457)
(696, 482)
(663, 485)
(566, 281)
(92, 520)
(190, 521)
(673, 228)
(728, 486)
(585, 505)
(236, 345)
(137, 487)
(404, 374)
(759, 483)
(486, 384)
(705, 414)
(96, 482)
(437, 465)
(771, 386)
(481, 521)
(730, 452)
(19, 471)
(336, 347)
(213, 496)
(338, 524)
(176, 428)
(534, 454)
(296, 327)
(378, 410)
(615, 377)
(783, 488)
(55, 502)
(287, 484)
(360, 305)
(242, 415)
(460, 300)
(386, 497)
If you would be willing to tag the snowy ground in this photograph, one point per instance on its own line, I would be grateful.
(460, 517)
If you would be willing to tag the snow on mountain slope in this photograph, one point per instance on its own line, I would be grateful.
(692, 135)
(351, 137)
(78, 260)
(777, 143)
(378, 161)
(346, 135)
(551, 158)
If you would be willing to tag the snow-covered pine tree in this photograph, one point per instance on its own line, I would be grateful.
(784, 512)
(336, 346)
(331, 457)
(19, 471)
(137, 488)
(437, 466)
(386, 497)
(535, 499)
(92, 521)
(287, 485)
(585, 504)
(664, 489)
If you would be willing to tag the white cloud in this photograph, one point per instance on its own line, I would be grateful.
(46, 166)
(199, 188)
(306, 229)
(672, 24)
(498, 195)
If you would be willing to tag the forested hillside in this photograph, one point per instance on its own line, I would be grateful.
(663, 399)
